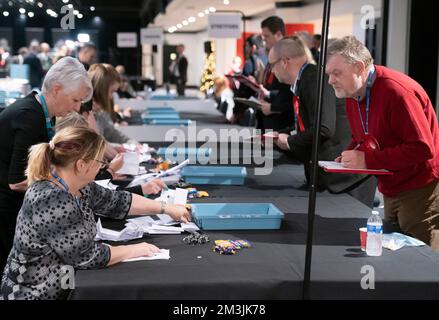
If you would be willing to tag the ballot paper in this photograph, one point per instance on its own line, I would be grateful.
(130, 164)
(106, 184)
(177, 196)
(170, 176)
(162, 255)
(128, 233)
(159, 225)
(173, 170)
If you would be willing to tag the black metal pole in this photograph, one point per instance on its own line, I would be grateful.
(315, 149)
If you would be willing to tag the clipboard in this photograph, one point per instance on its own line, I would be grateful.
(251, 102)
(337, 167)
(246, 81)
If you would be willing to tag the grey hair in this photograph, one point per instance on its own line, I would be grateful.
(350, 48)
(69, 73)
(293, 47)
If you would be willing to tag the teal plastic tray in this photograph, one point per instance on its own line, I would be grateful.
(184, 152)
(171, 122)
(236, 216)
(200, 175)
(161, 109)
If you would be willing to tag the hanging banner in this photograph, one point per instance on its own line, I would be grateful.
(127, 40)
(152, 35)
(224, 25)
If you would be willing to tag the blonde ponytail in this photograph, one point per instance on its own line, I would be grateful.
(38, 167)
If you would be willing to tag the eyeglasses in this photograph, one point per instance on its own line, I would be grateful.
(103, 163)
(274, 63)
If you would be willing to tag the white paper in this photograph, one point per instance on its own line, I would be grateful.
(173, 169)
(128, 233)
(106, 184)
(130, 164)
(176, 197)
(162, 255)
(339, 166)
(164, 225)
(189, 227)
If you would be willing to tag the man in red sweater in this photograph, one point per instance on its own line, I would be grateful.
(394, 127)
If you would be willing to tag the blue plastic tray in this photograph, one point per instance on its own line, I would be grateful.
(236, 216)
(163, 97)
(171, 122)
(160, 116)
(154, 112)
(161, 109)
(184, 152)
(214, 175)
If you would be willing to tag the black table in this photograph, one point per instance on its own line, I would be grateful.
(273, 268)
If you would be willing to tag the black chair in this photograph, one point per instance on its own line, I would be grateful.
(249, 118)
(223, 107)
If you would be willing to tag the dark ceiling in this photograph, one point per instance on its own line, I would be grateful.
(145, 10)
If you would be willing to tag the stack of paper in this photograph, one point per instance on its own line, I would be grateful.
(128, 233)
(162, 255)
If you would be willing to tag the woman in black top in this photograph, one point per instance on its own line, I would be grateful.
(56, 226)
(29, 121)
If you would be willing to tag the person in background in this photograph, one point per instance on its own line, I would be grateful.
(44, 56)
(56, 225)
(254, 66)
(394, 127)
(106, 81)
(29, 121)
(178, 70)
(19, 59)
(236, 66)
(87, 55)
(36, 72)
(5, 59)
(277, 110)
(125, 89)
(224, 97)
(109, 170)
(294, 66)
(315, 49)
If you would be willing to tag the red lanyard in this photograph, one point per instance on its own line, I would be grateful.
(301, 127)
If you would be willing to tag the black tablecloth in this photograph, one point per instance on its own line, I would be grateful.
(273, 267)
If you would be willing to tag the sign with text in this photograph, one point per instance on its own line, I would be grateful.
(127, 40)
(151, 36)
(224, 25)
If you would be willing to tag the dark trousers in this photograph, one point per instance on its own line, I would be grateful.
(7, 231)
(181, 86)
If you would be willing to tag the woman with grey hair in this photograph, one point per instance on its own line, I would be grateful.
(30, 121)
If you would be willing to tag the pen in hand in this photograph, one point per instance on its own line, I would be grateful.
(338, 159)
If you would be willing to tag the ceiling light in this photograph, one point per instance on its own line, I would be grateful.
(226, 2)
(22, 10)
(80, 15)
(191, 19)
(212, 9)
(92, 8)
(5, 13)
(179, 26)
(30, 14)
(201, 14)
(185, 23)
(40, 4)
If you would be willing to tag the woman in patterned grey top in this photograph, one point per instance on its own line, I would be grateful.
(56, 228)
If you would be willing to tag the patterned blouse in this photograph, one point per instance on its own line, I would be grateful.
(55, 233)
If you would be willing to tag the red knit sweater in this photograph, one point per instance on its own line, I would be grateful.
(403, 120)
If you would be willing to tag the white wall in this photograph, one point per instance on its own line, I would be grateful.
(194, 51)
(397, 37)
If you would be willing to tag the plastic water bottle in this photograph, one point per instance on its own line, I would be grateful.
(374, 245)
